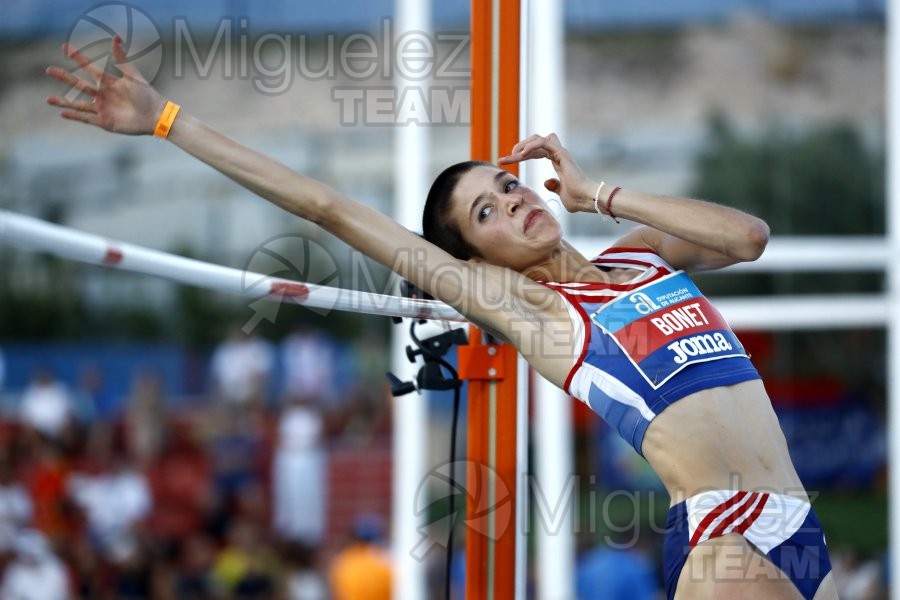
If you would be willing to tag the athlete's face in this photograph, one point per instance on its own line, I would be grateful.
(507, 223)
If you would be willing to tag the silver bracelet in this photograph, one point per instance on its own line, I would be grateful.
(597, 199)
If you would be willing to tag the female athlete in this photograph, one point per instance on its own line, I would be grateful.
(628, 333)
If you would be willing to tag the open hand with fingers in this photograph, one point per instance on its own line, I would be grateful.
(123, 103)
(575, 190)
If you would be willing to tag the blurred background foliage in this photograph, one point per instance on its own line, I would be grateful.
(820, 181)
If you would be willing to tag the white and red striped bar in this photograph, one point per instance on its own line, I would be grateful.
(837, 311)
(39, 236)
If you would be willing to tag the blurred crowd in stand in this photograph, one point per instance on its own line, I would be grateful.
(136, 497)
(104, 497)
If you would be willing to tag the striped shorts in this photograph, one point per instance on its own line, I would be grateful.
(784, 528)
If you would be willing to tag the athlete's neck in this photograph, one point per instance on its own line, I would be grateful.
(565, 264)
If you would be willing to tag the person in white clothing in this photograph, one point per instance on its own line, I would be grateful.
(241, 367)
(300, 478)
(308, 358)
(35, 573)
(115, 498)
(15, 503)
(46, 405)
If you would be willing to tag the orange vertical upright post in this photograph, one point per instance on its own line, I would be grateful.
(490, 369)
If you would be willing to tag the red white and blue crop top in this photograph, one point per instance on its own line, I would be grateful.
(647, 343)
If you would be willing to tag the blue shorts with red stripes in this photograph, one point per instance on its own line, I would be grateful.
(784, 528)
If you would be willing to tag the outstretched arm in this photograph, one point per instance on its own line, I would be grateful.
(128, 104)
(689, 234)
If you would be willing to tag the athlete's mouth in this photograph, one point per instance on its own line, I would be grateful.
(531, 217)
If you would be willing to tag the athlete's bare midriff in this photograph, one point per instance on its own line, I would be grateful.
(721, 438)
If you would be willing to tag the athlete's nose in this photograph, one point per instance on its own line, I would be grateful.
(514, 202)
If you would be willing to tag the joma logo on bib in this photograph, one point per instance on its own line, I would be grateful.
(699, 345)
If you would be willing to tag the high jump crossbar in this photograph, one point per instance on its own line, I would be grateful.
(798, 312)
(36, 235)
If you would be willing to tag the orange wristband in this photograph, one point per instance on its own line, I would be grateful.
(164, 124)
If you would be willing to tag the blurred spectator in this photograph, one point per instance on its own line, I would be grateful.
(300, 476)
(363, 569)
(35, 573)
(114, 498)
(616, 573)
(367, 415)
(372, 359)
(194, 580)
(7, 549)
(241, 367)
(252, 503)
(15, 503)
(303, 582)
(246, 567)
(92, 401)
(86, 568)
(236, 454)
(145, 417)
(2, 370)
(458, 575)
(134, 576)
(309, 359)
(181, 486)
(46, 405)
(46, 478)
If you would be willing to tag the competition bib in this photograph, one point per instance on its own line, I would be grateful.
(666, 325)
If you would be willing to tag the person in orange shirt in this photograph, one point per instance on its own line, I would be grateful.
(363, 569)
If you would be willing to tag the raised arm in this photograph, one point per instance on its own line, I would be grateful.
(689, 234)
(128, 104)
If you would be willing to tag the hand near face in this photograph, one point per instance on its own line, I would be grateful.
(571, 184)
(121, 104)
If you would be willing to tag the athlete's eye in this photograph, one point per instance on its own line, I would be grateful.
(485, 212)
(511, 185)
